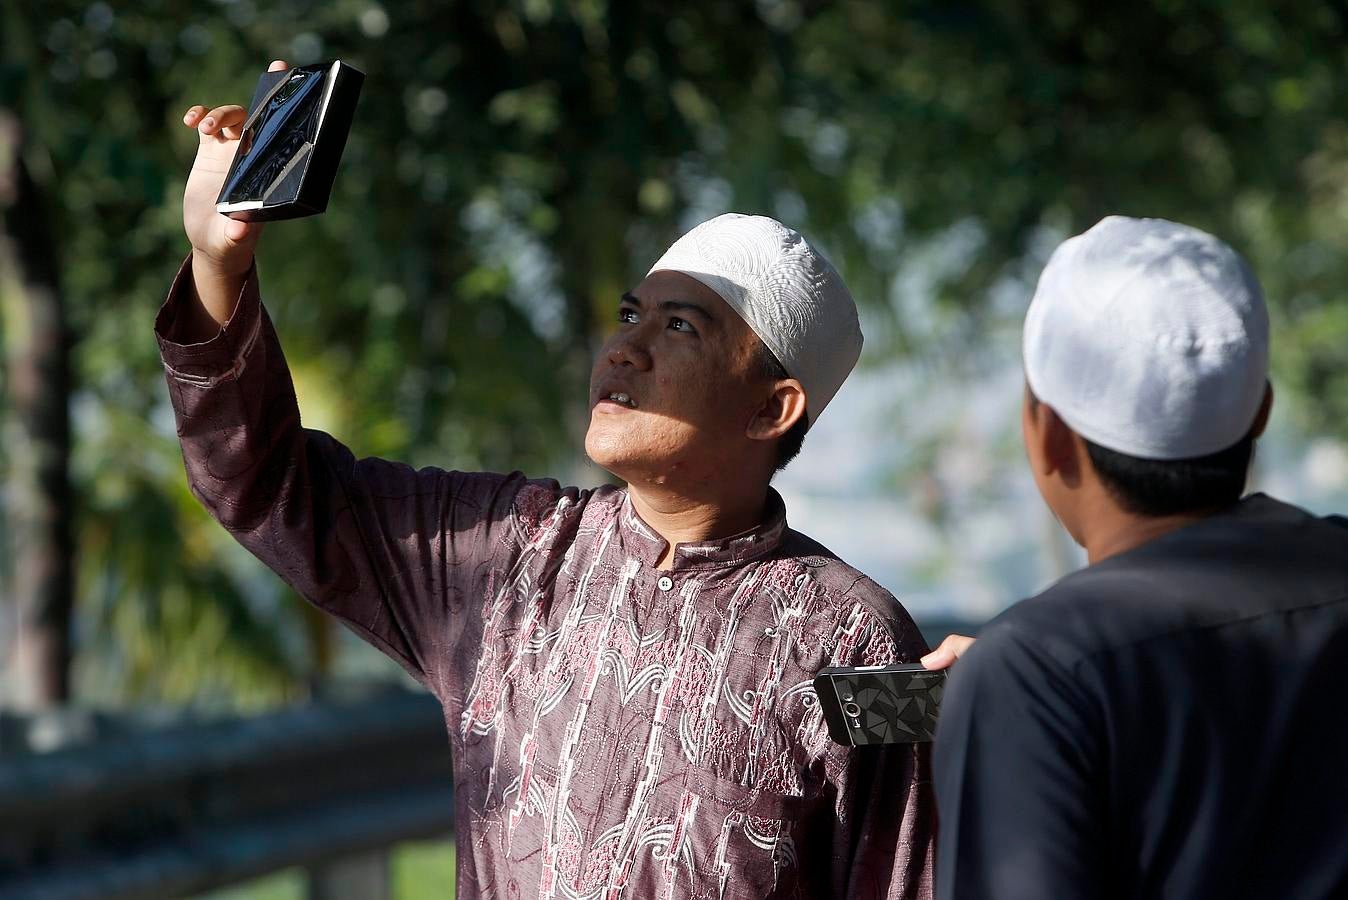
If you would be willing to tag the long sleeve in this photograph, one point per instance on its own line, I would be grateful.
(885, 830)
(1017, 778)
(892, 840)
(398, 555)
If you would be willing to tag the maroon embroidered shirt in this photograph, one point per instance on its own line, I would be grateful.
(617, 730)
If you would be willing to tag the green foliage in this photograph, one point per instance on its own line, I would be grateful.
(421, 870)
(424, 870)
(514, 165)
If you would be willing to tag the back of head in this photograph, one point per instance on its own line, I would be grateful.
(1150, 340)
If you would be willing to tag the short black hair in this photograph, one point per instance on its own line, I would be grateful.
(788, 445)
(1168, 487)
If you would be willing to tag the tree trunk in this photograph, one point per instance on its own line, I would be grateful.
(37, 507)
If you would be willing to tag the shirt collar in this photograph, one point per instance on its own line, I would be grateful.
(644, 542)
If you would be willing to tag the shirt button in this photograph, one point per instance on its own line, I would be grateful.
(665, 582)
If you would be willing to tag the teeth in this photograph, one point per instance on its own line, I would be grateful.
(620, 397)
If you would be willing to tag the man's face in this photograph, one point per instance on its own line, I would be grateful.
(675, 386)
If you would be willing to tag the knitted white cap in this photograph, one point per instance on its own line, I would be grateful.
(1149, 338)
(786, 291)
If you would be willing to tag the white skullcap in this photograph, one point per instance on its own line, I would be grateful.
(1149, 338)
(786, 291)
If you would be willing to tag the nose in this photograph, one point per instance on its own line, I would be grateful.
(628, 348)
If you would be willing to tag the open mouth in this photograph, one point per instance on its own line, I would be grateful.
(621, 398)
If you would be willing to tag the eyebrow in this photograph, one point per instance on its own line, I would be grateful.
(680, 305)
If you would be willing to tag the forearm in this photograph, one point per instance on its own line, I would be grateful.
(210, 298)
(282, 492)
(238, 421)
(375, 543)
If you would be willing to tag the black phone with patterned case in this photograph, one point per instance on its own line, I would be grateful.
(894, 704)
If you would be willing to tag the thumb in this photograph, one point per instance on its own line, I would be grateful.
(239, 232)
(951, 649)
(940, 658)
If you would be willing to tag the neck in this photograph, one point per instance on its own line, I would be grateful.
(680, 519)
(1117, 531)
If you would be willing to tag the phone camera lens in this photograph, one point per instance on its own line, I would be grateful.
(852, 710)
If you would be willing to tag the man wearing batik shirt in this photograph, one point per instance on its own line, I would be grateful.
(625, 674)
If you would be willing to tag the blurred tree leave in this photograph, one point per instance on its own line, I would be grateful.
(514, 165)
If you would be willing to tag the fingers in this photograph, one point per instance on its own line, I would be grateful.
(951, 649)
(223, 121)
(957, 644)
(224, 118)
(210, 121)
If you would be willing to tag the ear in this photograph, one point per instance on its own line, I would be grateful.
(782, 409)
(1055, 444)
(1261, 420)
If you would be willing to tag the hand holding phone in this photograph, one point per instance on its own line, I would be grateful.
(880, 704)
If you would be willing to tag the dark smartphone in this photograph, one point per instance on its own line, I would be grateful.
(880, 704)
(291, 143)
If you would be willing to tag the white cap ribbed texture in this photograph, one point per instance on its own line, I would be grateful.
(786, 291)
(1149, 338)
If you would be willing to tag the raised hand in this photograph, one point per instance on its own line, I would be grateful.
(222, 248)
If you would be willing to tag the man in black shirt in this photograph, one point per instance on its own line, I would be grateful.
(1172, 720)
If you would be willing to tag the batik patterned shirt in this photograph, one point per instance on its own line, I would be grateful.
(618, 730)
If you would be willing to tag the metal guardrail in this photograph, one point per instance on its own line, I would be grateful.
(188, 809)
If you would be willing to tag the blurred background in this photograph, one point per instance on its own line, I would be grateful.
(513, 167)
